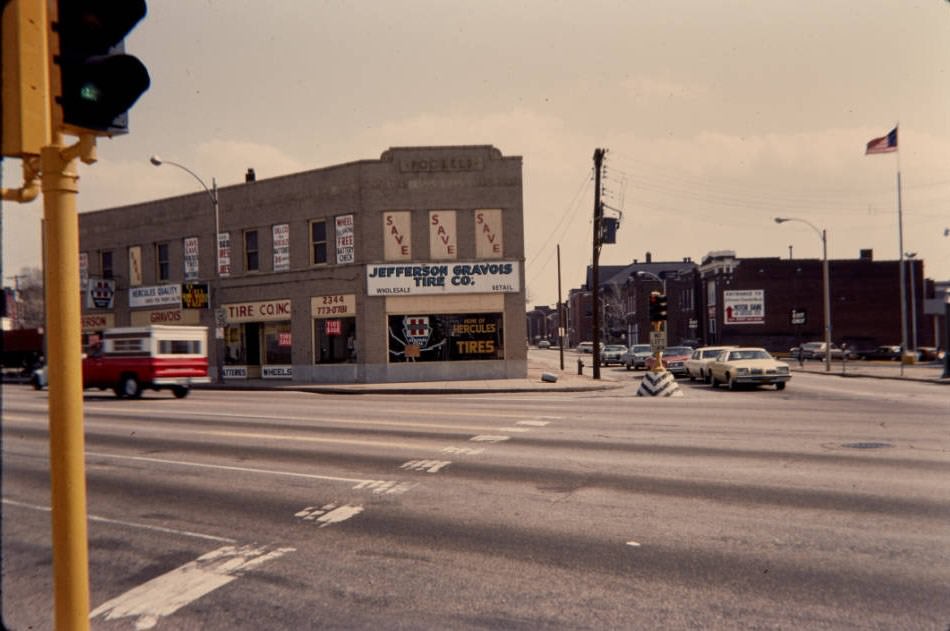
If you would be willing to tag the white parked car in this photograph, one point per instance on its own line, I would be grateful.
(747, 366)
(699, 360)
(637, 356)
(585, 347)
(612, 354)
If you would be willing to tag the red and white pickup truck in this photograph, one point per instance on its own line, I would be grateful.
(131, 359)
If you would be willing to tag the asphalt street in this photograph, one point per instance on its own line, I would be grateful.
(824, 506)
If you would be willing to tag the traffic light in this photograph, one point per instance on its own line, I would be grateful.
(658, 310)
(96, 82)
(25, 78)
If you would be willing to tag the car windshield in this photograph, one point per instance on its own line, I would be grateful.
(712, 353)
(614, 347)
(749, 354)
(641, 348)
(678, 350)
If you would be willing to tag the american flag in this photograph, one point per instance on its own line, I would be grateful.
(884, 144)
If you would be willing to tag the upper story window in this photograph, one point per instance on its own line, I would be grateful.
(105, 258)
(318, 242)
(162, 266)
(252, 261)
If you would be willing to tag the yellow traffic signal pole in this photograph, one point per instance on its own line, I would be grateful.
(67, 442)
(658, 327)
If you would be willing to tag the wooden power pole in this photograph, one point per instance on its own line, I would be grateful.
(595, 266)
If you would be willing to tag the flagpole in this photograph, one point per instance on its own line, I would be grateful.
(903, 283)
(888, 144)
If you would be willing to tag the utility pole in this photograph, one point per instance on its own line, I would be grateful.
(560, 308)
(595, 266)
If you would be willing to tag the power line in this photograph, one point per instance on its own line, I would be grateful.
(555, 236)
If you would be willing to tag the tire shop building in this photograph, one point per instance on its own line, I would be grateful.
(405, 268)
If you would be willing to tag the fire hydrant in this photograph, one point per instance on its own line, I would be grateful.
(580, 367)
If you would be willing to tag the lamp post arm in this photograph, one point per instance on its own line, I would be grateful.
(212, 195)
(826, 283)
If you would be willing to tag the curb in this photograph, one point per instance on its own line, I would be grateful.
(357, 389)
(858, 375)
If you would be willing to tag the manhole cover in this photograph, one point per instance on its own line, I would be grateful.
(867, 445)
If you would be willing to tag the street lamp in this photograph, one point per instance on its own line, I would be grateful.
(825, 282)
(913, 303)
(659, 279)
(213, 195)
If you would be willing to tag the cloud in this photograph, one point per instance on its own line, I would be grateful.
(652, 90)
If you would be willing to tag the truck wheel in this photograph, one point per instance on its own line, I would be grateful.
(180, 392)
(129, 387)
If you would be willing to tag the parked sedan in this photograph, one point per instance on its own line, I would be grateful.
(673, 359)
(39, 379)
(887, 352)
(808, 350)
(748, 366)
(612, 354)
(696, 365)
(637, 356)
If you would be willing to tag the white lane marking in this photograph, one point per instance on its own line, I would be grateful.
(533, 423)
(633, 543)
(385, 487)
(489, 439)
(292, 474)
(166, 594)
(463, 451)
(429, 466)
(329, 513)
(239, 418)
(130, 524)
(145, 430)
(514, 430)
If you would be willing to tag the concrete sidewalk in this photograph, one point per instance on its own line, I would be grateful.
(569, 381)
(926, 372)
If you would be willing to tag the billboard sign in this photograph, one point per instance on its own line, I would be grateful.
(744, 306)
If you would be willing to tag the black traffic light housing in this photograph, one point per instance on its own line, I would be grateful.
(658, 308)
(98, 82)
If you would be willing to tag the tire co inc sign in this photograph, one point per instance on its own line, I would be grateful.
(744, 307)
(267, 311)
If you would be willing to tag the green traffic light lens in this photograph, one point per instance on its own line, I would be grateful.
(90, 92)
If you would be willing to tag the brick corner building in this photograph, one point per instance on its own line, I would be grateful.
(405, 268)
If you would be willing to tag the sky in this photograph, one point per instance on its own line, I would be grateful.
(716, 116)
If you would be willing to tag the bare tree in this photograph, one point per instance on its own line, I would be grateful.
(30, 311)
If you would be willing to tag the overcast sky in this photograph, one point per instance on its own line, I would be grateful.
(716, 115)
